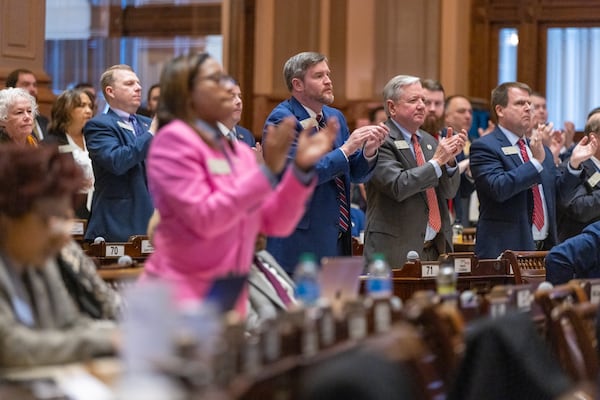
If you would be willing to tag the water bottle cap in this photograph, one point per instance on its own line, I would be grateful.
(307, 257)
(378, 256)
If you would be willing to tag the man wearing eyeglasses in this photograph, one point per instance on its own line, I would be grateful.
(118, 142)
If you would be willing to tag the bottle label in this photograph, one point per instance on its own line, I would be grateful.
(307, 291)
(379, 287)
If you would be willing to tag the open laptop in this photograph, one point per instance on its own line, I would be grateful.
(340, 278)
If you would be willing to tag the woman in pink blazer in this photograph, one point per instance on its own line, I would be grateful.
(213, 196)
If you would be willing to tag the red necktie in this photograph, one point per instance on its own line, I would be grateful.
(538, 208)
(435, 221)
(344, 220)
(273, 280)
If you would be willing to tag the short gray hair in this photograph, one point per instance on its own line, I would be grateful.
(393, 89)
(297, 65)
(9, 96)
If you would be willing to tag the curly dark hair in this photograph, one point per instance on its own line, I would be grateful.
(28, 174)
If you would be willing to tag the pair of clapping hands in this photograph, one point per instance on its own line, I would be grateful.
(545, 134)
(312, 146)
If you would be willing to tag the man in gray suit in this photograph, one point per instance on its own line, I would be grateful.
(415, 175)
(270, 288)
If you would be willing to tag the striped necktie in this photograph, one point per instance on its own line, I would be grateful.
(344, 219)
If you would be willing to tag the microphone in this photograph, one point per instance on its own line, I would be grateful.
(99, 239)
(544, 286)
(125, 260)
(467, 298)
(412, 256)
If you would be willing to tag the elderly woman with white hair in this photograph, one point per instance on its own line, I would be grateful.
(18, 110)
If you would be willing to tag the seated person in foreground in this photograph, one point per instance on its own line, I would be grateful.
(94, 297)
(39, 322)
(271, 290)
(576, 258)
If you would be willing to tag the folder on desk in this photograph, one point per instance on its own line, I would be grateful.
(339, 278)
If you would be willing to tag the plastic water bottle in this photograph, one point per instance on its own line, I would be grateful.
(446, 280)
(457, 232)
(379, 281)
(306, 277)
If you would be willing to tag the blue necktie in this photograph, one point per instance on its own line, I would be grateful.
(136, 126)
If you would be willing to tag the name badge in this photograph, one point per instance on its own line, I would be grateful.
(218, 167)
(401, 144)
(594, 179)
(65, 148)
(510, 150)
(125, 126)
(308, 123)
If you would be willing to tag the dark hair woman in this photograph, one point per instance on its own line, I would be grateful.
(71, 110)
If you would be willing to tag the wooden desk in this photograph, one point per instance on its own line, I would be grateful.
(473, 274)
(468, 246)
(120, 277)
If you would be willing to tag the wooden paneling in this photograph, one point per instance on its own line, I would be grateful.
(22, 44)
(296, 29)
(407, 37)
(238, 20)
(166, 20)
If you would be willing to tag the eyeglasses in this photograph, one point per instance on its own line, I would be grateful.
(219, 79)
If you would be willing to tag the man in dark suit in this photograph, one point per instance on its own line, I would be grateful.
(414, 177)
(118, 143)
(230, 128)
(25, 79)
(576, 258)
(324, 228)
(517, 182)
(583, 207)
(458, 114)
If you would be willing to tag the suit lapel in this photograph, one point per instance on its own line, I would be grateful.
(127, 134)
(427, 145)
(504, 143)
(401, 145)
(261, 283)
